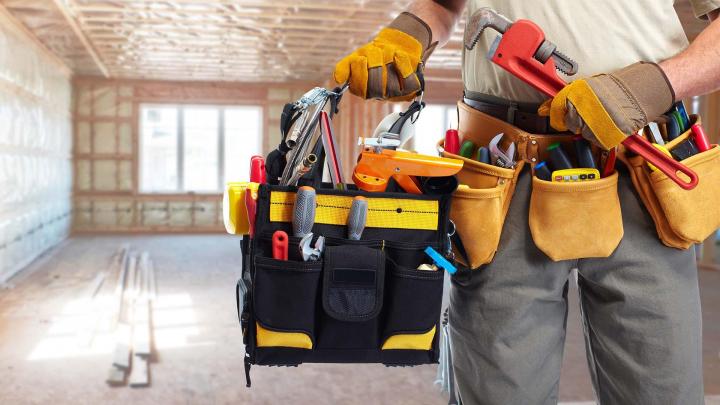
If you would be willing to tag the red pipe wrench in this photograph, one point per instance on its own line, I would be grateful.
(522, 50)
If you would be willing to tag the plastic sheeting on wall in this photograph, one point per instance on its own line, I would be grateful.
(125, 214)
(35, 153)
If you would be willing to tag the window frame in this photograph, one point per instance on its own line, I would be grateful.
(180, 136)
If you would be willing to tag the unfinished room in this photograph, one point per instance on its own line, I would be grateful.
(360, 202)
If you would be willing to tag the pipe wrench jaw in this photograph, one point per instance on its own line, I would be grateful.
(485, 17)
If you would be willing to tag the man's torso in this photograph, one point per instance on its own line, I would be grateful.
(600, 35)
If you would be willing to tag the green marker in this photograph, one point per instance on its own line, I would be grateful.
(467, 148)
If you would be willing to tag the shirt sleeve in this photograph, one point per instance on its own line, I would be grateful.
(702, 7)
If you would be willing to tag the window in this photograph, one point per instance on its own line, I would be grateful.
(196, 148)
(430, 127)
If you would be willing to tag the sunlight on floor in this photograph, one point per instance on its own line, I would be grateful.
(86, 328)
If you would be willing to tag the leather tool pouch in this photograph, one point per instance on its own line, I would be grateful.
(479, 211)
(576, 220)
(567, 220)
(682, 217)
(364, 301)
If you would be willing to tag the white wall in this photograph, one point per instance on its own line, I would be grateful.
(35, 151)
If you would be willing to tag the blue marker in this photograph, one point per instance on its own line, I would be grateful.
(680, 108)
(439, 260)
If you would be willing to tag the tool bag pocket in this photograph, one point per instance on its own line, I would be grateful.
(285, 300)
(352, 297)
(682, 217)
(479, 208)
(414, 299)
(576, 220)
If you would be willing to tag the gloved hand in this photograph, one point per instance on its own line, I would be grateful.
(390, 66)
(607, 108)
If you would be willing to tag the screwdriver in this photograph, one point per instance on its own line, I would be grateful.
(357, 217)
(304, 211)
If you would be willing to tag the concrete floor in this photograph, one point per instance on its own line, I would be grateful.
(198, 340)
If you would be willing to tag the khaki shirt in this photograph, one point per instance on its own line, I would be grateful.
(600, 35)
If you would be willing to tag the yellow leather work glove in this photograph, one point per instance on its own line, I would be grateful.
(390, 66)
(607, 108)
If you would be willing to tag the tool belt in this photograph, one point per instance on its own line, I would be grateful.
(576, 219)
(363, 301)
(521, 115)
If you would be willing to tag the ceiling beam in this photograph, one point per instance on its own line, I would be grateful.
(65, 11)
(19, 27)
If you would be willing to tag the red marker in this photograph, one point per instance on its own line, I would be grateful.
(701, 139)
(609, 167)
(452, 141)
(280, 245)
(257, 170)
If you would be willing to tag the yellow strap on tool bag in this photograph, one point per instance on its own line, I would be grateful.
(382, 212)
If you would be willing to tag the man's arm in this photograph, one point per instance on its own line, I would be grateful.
(696, 70)
(439, 15)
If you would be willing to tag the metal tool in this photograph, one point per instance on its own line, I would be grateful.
(499, 157)
(280, 245)
(311, 254)
(357, 217)
(517, 51)
(654, 130)
(543, 51)
(302, 168)
(399, 127)
(334, 163)
(379, 143)
(305, 135)
(303, 221)
(374, 170)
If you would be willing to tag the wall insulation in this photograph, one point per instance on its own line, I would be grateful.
(106, 127)
(35, 151)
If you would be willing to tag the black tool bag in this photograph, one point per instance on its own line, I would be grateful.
(364, 301)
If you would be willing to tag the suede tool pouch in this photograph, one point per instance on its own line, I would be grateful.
(693, 214)
(479, 208)
(682, 217)
(576, 220)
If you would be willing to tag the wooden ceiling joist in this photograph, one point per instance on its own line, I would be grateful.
(62, 7)
(238, 40)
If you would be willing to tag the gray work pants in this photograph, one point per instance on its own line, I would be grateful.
(640, 309)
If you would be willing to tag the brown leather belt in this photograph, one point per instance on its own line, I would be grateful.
(481, 127)
(521, 115)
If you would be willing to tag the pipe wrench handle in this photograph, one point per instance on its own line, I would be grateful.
(657, 158)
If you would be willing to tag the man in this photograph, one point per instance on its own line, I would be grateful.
(640, 306)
